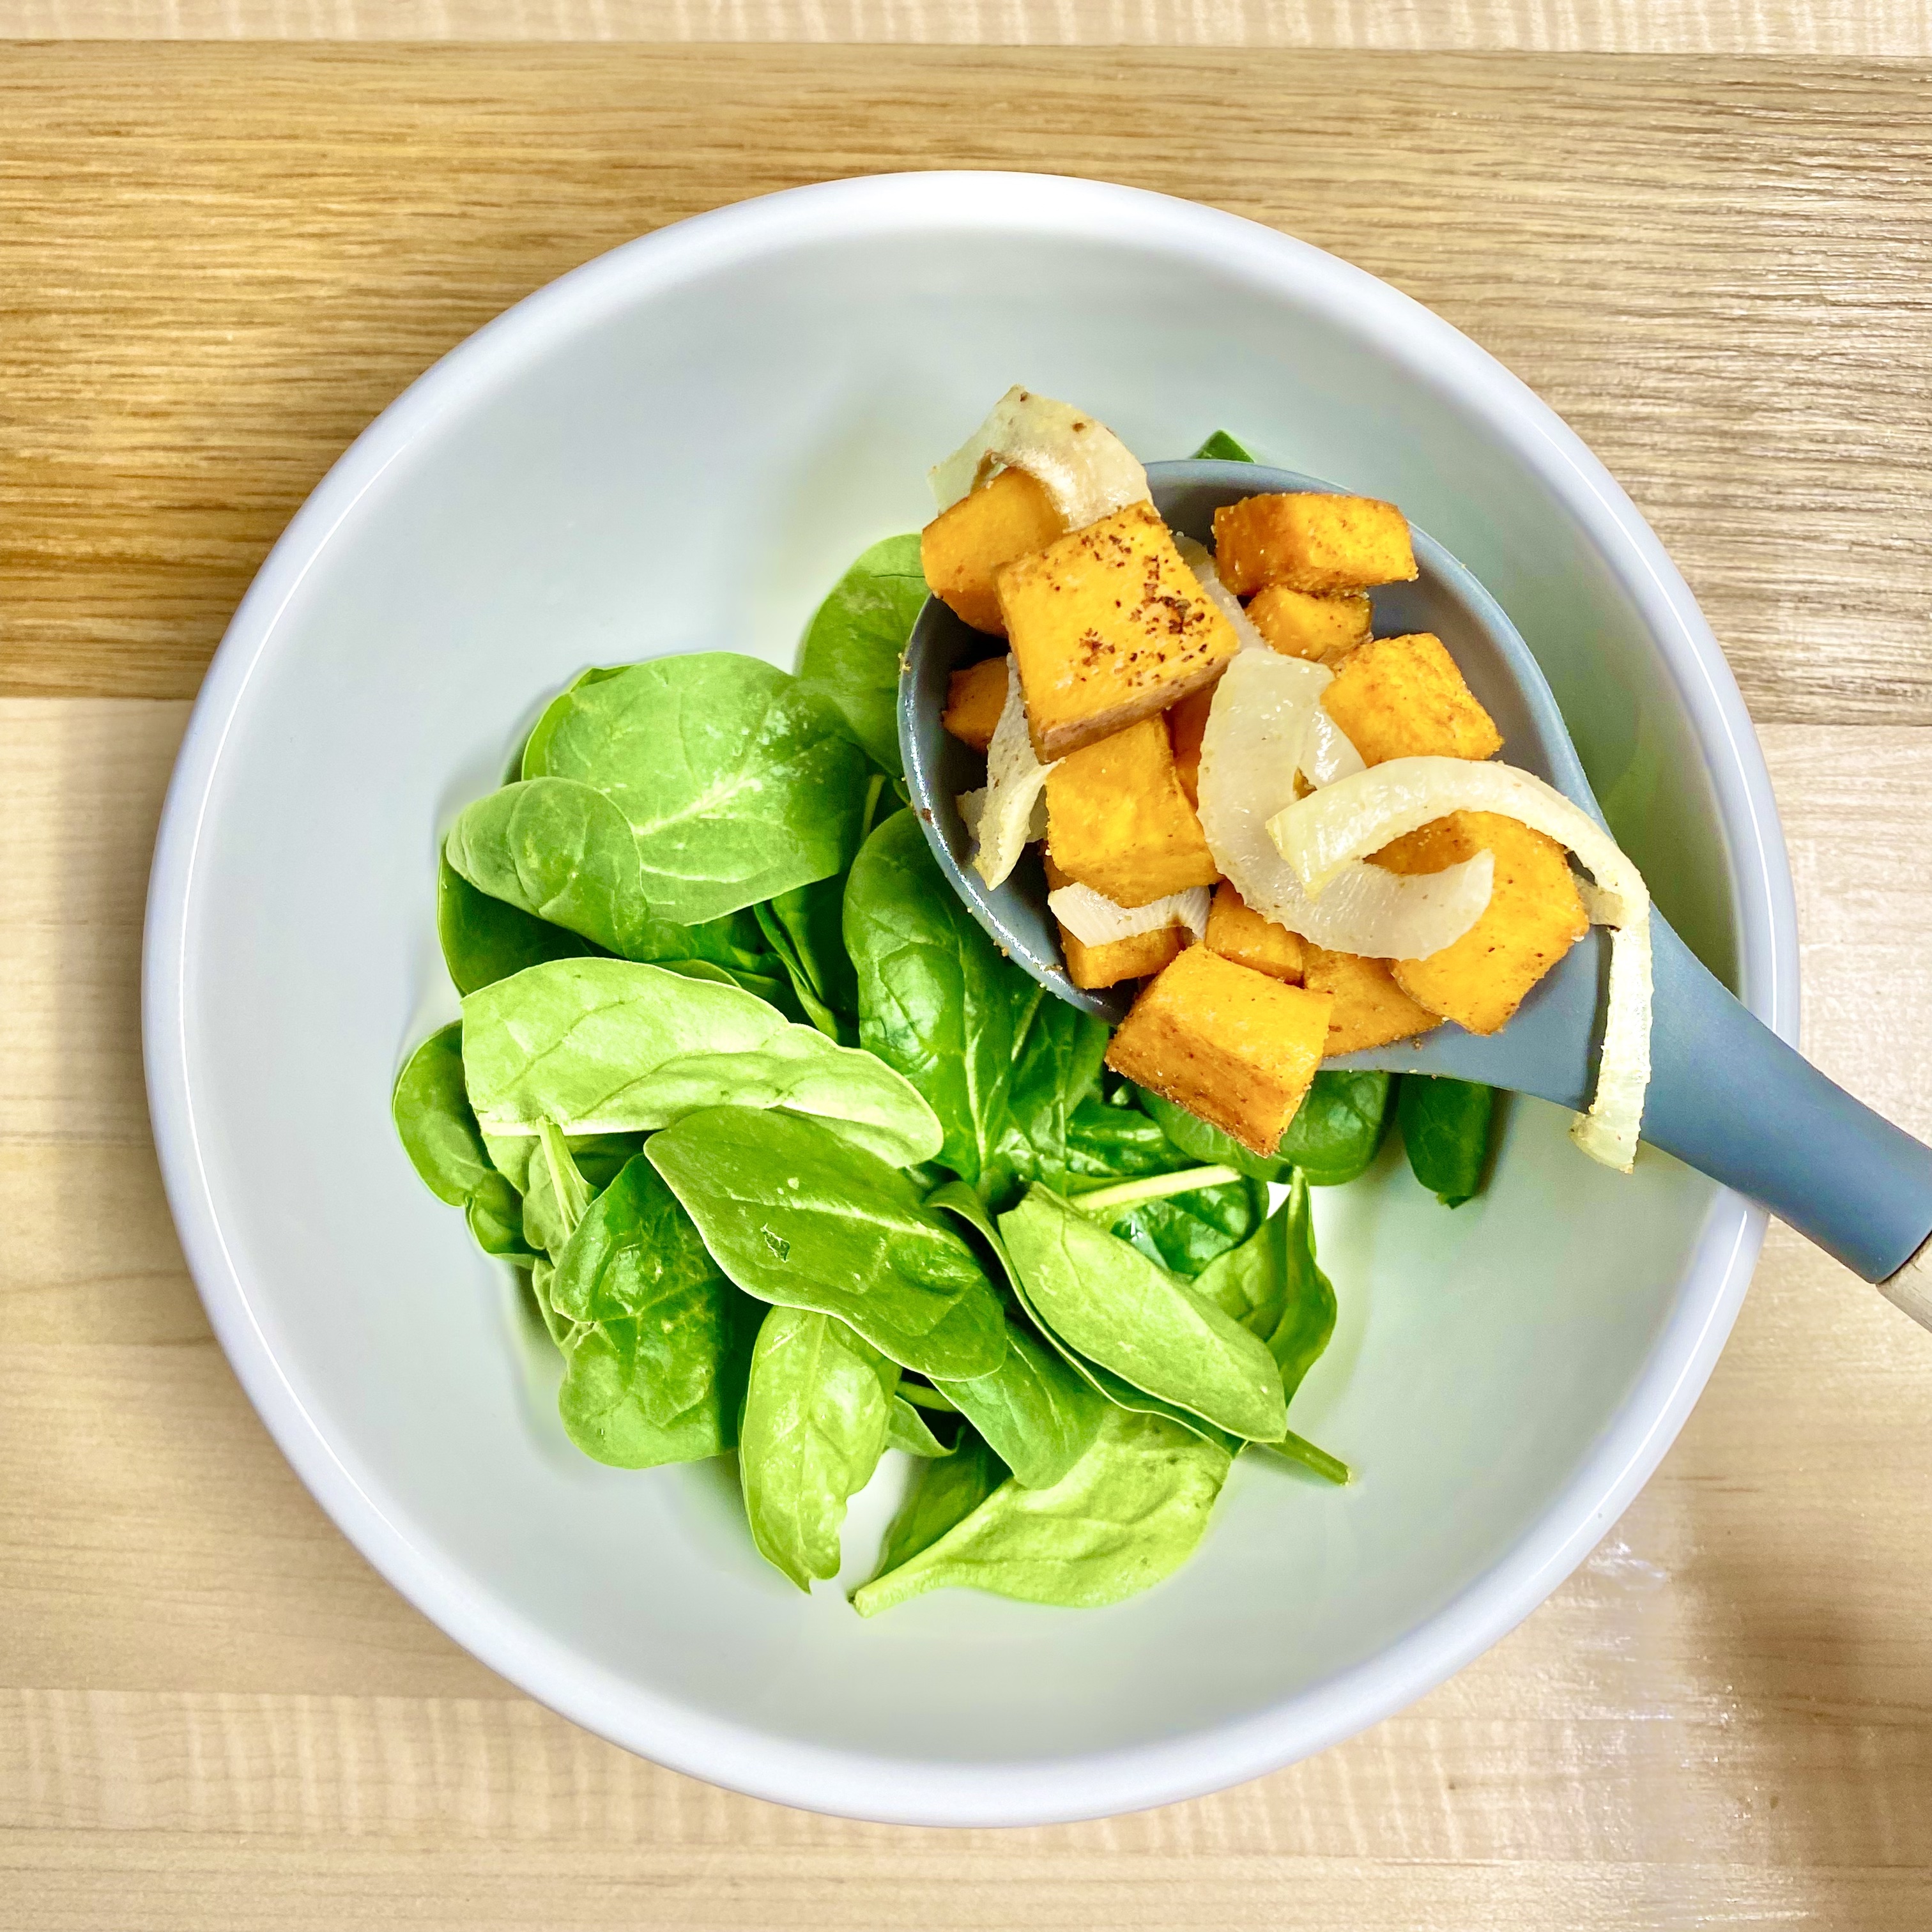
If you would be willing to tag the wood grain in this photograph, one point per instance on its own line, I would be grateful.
(219, 263)
(1826, 28)
(213, 1714)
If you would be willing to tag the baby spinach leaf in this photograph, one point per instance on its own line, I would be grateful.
(555, 1325)
(737, 783)
(851, 654)
(1272, 1287)
(494, 1212)
(486, 939)
(957, 1198)
(431, 1109)
(1037, 1412)
(797, 1215)
(1333, 1136)
(936, 1001)
(909, 1430)
(440, 1134)
(1208, 1146)
(1128, 1513)
(1108, 1300)
(1056, 1068)
(1445, 1128)
(563, 854)
(610, 1046)
(943, 1493)
(813, 919)
(1183, 1232)
(804, 988)
(1338, 1129)
(655, 1365)
(817, 1412)
(568, 1189)
(1223, 449)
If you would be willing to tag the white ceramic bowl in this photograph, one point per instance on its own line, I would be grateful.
(680, 446)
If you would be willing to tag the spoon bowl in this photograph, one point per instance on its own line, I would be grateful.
(1726, 1095)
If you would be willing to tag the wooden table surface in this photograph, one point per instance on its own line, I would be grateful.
(217, 262)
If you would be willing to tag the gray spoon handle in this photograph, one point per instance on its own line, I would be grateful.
(1728, 1097)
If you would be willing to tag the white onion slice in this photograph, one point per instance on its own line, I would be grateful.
(1257, 727)
(1096, 921)
(973, 804)
(1015, 787)
(1326, 834)
(1083, 466)
(1327, 751)
(1199, 559)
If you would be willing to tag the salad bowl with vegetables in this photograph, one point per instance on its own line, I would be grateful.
(822, 1371)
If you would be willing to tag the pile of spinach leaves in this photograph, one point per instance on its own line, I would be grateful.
(797, 1163)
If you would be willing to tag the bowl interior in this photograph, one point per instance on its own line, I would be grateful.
(681, 448)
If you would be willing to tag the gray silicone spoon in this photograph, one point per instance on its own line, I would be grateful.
(1726, 1095)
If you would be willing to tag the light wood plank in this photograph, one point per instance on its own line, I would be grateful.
(1895, 27)
(212, 1714)
(1715, 270)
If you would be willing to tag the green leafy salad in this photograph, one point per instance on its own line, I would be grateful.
(794, 1164)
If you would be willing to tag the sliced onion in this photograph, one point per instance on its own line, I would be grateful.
(1083, 466)
(973, 804)
(1327, 834)
(1199, 559)
(1014, 792)
(1257, 727)
(1095, 921)
(1327, 751)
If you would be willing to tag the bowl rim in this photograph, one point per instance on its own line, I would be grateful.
(1633, 1441)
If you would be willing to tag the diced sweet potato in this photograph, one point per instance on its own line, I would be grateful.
(1010, 516)
(1186, 725)
(1534, 915)
(1117, 819)
(1403, 697)
(1370, 1009)
(974, 699)
(1107, 965)
(1300, 624)
(1108, 626)
(1310, 541)
(1237, 932)
(1226, 1042)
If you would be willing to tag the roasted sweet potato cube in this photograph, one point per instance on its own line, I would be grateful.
(1534, 915)
(1237, 932)
(1107, 965)
(1403, 697)
(1186, 725)
(974, 699)
(1117, 820)
(1300, 624)
(1310, 541)
(1226, 1042)
(1370, 1009)
(1108, 626)
(1010, 516)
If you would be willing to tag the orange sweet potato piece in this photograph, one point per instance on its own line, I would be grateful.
(1534, 915)
(1237, 932)
(1301, 624)
(1403, 697)
(1010, 516)
(1108, 626)
(1117, 820)
(1311, 541)
(974, 699)
(1226, 1042)
(1370, 1009)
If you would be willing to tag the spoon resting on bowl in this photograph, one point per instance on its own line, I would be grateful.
(1726, 1095)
